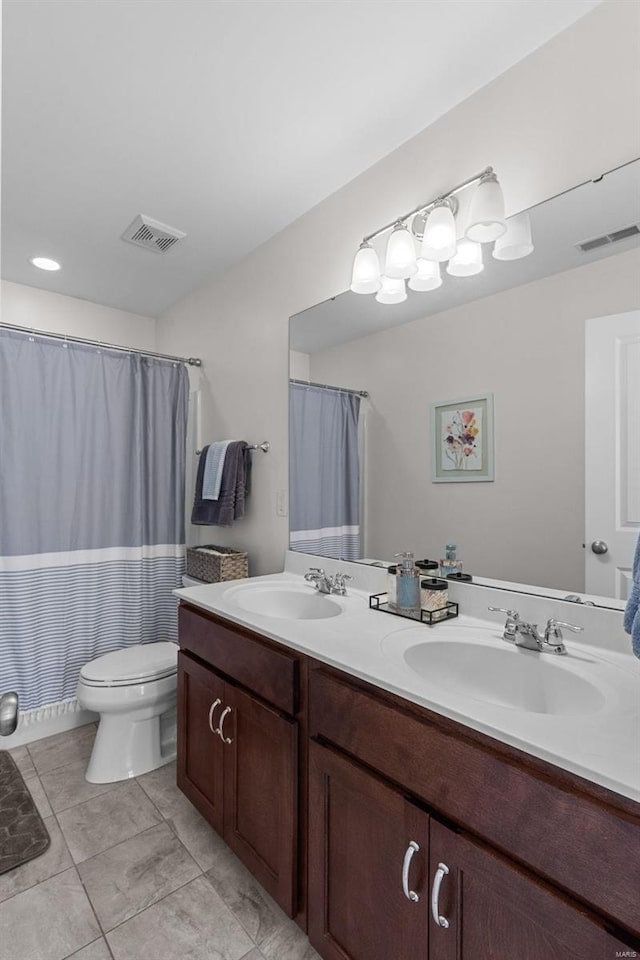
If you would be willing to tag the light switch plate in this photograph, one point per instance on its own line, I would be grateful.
(282, 509)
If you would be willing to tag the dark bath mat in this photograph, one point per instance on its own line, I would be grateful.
(23, 835)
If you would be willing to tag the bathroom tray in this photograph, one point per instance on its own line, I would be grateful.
(380, 601)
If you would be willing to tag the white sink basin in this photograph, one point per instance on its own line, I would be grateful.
(286, 602)
(507, 677)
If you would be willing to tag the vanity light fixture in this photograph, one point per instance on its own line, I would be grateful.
(393, 291)
(427, 278)
(366, 270)
(44, 263)
(433, 226)
(486, 217)
(516, 242)
(467, 261)
(439, 240)
(400, 261)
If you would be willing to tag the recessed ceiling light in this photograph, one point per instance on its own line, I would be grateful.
(43, 263)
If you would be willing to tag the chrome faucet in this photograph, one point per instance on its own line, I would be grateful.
(526, 635)
(327, 584)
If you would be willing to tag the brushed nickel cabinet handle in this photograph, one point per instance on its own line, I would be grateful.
(216, 703)
(408, 857)
(220, 730)
(440, 874)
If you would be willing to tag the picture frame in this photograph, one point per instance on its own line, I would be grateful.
(462, 440)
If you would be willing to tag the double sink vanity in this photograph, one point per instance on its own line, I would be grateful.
(406, 790)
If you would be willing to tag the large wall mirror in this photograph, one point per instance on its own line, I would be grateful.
(550, 343)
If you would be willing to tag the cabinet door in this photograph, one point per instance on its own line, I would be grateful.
(200, 749)
(495, 911)
(360, 832)
(261, 790)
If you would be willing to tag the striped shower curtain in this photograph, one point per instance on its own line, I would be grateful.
(324, 472)
(92, 461)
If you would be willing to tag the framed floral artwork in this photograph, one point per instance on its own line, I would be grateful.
(462, 440)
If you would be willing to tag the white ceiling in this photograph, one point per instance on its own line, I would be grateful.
(588, 211)
(227, 120)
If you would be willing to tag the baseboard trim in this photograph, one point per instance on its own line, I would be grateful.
(47, 721)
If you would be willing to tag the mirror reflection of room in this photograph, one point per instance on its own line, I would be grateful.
(541, 333)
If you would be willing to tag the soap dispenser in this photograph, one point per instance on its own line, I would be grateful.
(407, 585)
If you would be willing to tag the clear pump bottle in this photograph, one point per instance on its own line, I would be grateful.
(407, 585)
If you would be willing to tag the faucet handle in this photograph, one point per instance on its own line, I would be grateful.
(340, 582)
(553, 634)
(553, 628)
(511, 614)
(511, 626)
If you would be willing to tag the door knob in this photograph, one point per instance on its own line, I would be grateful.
(599, 547)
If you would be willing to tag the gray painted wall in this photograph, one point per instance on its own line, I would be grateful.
(525, 345)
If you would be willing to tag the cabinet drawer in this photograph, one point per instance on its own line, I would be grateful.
(580, 843)
(271, 674)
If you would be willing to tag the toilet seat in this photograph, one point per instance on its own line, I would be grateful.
(132, 665)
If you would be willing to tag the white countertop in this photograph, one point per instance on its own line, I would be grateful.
(602, 745)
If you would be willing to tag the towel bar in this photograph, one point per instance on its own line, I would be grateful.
(264, 446)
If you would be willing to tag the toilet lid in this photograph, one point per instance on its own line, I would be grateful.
(146, 661)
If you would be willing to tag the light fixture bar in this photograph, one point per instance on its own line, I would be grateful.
(426, 206)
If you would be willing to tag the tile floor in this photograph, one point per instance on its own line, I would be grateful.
(133, 873)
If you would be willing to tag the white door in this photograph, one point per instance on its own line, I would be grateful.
(612, 452)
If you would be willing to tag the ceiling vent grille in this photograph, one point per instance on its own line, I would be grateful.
(613, 237)
(152, 235)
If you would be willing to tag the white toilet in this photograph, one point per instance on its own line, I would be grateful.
(134, 691)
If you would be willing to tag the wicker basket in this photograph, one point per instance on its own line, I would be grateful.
(223, 563)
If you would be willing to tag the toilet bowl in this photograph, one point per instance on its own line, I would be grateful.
(134, 691)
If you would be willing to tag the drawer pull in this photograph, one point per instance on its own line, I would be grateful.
(220, 730)
(408, 857)
(441, 873)
(216, 703)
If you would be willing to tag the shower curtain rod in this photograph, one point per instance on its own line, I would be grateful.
(327, 386)
(192, 361)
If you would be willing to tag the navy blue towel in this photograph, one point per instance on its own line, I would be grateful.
(235, 485)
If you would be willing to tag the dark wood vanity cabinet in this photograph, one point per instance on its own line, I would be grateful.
(488, 909)
(377, 860)
(200, 749)
(350, 804)
(363, 837)
(238, 756)
(533, 867)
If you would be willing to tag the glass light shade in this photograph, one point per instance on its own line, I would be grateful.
(486, 216)
(427, 278)
(439, 240)
(400, 261)
(467, 261)
(366, 271)
(516, 242)
(393, 290)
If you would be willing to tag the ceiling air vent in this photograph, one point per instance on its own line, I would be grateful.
(151, 234)
(613, 237)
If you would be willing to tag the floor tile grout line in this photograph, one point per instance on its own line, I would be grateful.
(110, 788)
(83, 728)
(156, 902)
(126, 840)
(111, 846)
(93, 909)
(135, 837)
